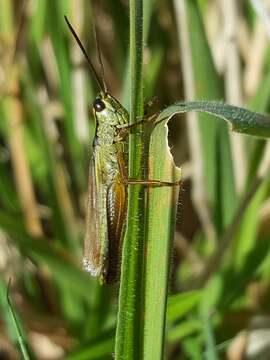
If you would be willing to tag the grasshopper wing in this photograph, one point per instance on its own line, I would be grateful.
(105, 218)
(92, 255)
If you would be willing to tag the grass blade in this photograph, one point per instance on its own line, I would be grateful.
(161, 205)
(241, 120)
(129, 328)
(214, 136)
(17, 326)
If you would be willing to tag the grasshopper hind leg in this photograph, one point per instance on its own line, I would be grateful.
(116, 206)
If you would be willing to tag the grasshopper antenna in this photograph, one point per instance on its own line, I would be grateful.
(100, 83)
(100, 58)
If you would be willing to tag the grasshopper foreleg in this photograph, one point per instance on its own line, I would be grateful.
(124, 130)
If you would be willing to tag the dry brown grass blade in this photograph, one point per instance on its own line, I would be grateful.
(22, 173)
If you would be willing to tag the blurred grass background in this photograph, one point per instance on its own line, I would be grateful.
(220, 289)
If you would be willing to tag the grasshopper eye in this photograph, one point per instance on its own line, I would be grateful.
(99, 105)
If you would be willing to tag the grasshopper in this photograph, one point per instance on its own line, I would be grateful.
(108, 180)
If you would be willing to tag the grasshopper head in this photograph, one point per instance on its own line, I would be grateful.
(105, 101)
(108, 110)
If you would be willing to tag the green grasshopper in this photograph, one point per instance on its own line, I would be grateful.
(107, 187)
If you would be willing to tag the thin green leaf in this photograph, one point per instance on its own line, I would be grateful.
(241, 120)
(247, 240)
(17, 326)
(211, 352)
(98, 349)
(184, 329)
(180, 304)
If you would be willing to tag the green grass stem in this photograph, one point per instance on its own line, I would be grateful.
(130, 314)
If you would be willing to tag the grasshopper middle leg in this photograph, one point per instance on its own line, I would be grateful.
(125, 130)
